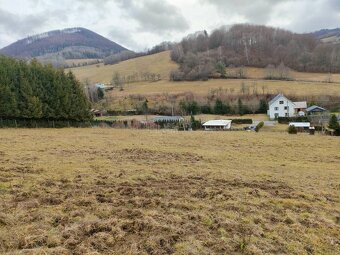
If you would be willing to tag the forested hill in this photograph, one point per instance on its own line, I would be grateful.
(252, 45)
(324, 33)
(71, 43)
(34, 91)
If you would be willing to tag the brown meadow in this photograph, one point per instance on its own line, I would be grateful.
(114, 191)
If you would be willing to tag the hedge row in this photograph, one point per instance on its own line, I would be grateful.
(242, 121)
(286, 120)
(42, 123)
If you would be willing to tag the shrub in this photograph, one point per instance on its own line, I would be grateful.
(195, 124)
(259, 126)
(176, 75)
(292, 130)
(206, 109)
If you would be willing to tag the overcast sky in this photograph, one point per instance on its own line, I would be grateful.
(139, 24)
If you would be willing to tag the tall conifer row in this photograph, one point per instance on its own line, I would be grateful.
(40, 92)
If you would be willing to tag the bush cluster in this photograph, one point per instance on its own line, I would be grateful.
(241, 121)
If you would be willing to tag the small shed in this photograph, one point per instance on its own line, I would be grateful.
(314, 109)
(301, 126)
(217, 125)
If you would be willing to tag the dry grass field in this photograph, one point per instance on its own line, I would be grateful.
(158, 63)
(305, 84)
(232, 86)
(162, 64)
(111, 191)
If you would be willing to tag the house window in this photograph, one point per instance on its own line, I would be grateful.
(276, 115)
(286, 107)
(276, 108)
(286, 114)
(281, 102)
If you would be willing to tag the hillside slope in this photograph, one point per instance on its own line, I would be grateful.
(162, 64)
(70, 43)
(159, 63)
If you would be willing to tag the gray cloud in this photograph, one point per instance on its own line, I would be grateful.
(255, 11)
(298, 15)
(317, 15)
(155, 16)
(11, 23)
(138, 24)
(123, 38)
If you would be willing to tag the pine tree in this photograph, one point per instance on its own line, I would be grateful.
(333, 123)
(241, 109)
(36, 91)
(263, 106)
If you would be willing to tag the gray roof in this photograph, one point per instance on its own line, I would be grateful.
(168, 119)
(276, 98)
(315, 107)
(302, 104)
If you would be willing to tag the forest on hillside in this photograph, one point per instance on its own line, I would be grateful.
(200, 55)
(34, 91)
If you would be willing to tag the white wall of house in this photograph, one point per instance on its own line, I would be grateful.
(281, 107)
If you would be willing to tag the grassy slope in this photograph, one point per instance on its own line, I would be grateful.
(158, 63)
(306, 84)
(82, 191)
(203, 87)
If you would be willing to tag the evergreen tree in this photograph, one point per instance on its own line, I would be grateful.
(333, 122)
(241, 109)
(31, 90)
(220, 68)
(221, 108)
(263, 106)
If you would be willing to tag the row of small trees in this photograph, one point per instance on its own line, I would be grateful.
(31, 90)
(222, 107)
(119, 80)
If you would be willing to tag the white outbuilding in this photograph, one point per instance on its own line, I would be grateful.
(300, 124)
(217, 125)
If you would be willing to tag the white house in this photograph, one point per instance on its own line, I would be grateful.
(281, 106)
(217, 125)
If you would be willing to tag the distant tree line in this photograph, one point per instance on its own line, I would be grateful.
(119, 80)
(35, 91)
(200, 55)
(224, 107)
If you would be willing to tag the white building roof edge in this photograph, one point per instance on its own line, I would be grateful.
(299, 124)
(217, 123)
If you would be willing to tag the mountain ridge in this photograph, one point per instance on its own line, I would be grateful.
(92, 44)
